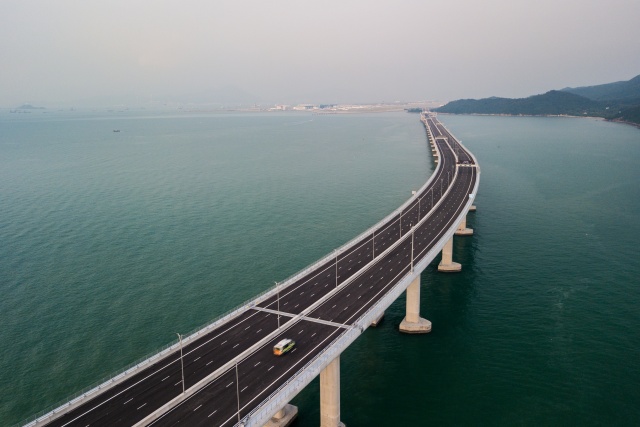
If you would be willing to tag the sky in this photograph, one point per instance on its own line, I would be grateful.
(133, 52)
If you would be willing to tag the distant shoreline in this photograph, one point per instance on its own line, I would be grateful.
(567, 116)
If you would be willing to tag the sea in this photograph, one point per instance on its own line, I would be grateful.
(120, 228)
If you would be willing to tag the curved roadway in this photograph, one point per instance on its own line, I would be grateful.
(314, 310)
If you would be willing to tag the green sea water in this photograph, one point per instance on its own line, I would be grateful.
(113, 241)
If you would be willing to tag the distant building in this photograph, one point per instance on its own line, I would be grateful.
(303, 107)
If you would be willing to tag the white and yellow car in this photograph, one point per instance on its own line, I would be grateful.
(283, 346)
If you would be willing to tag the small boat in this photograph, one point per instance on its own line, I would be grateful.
(116, 130)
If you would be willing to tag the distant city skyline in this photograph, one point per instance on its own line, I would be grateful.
(68, 53)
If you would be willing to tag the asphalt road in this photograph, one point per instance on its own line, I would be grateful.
(260, 372)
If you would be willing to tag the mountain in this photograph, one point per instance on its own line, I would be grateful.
(618, 101)
(621, 91)
(628, 115)
(551, 103)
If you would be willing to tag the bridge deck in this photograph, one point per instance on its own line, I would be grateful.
(336, 292)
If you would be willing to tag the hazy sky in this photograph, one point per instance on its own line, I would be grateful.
(64, 52)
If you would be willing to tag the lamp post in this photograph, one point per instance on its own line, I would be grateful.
(336, 252)
(238, 391)
(181, 361)
(278, 298)
(373, 244)
(412, 234)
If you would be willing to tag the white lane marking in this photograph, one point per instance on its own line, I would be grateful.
(236, 345)
(212, 413)
(177, 383)
(256, 364)
(128, 401)
(231, 383)
(197, 408)
(245, 387)
(270, 368)
(209, 363)
(197, 359)
(140, 407)
(165, 378)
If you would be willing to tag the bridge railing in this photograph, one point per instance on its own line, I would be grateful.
(78, 398)
(277, 399)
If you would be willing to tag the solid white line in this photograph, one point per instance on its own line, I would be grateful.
(389, 284)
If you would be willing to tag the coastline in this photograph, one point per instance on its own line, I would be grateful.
(637, 125)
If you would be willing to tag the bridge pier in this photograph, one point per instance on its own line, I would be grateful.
(447, 265)
(284, 417)
(462, 228)
(330, 395)
(377, 320)
(412, 322)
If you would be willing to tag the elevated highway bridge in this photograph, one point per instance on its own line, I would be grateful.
(226, 373)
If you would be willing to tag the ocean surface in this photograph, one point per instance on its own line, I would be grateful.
(110, 242)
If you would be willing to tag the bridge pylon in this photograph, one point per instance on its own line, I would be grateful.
(330, 395)
(462, 228)
(413, 323)
(446, 264)
(284, 417)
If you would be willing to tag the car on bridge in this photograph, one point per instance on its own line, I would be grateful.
(283, 346)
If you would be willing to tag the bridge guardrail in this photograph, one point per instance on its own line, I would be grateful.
(91, 391)
(283, 395)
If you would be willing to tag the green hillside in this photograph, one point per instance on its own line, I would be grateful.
(629, 115)
(618, 101)
(626, 91)
(551, 103)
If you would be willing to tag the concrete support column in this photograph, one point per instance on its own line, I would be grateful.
(330, 395)
(447, 265)
(462, 228)
(284, 417)
(413, 323)
(377, 320)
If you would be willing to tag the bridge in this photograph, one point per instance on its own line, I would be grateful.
(226, 374)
